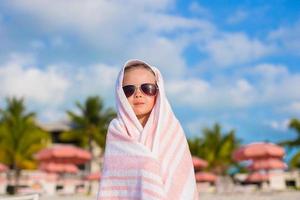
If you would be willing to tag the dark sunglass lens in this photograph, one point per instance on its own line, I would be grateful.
(128, 90)
(149, 89)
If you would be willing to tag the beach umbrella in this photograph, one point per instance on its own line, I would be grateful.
(258, 151)
(205, 177)
(199, 163)
(64, 154)
(3, 168)
(257, 177)
(267, 164)
(59, 168)
(95, 176)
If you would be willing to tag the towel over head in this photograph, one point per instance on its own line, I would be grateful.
(151, 162)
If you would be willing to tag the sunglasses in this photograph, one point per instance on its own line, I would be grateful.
(146, 88)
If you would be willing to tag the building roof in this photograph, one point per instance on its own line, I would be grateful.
(55, 126)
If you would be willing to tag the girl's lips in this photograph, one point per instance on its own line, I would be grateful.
(138, 103)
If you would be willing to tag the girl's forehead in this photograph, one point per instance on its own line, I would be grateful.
(138, 75)
(139, 71)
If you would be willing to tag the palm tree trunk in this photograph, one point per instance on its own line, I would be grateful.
(89, 164)
(17, 173)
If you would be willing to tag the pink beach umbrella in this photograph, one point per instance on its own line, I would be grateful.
(59, 168)
(199, 163)
(3, 168)
(257, 177)
(258, 151)
(205, 177)
(267, 164)
(64, 154)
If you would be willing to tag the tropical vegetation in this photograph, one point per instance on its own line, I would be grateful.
(89, 126)
(294, 124)
(20, 137)
(216, 148)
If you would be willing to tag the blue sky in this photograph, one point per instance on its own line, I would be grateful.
(232, 62)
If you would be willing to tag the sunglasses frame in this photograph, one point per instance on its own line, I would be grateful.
(140, 88)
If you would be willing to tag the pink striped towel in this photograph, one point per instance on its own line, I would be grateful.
(151, 162)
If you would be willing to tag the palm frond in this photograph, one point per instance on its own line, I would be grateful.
(295, 161)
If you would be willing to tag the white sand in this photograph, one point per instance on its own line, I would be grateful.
(287, 195)
(293, 195)
(290, 195)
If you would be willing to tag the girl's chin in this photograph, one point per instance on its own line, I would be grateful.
(142, 114)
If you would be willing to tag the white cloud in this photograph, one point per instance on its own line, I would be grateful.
(191, 92)
(293, 108)
(37, 44)
(274, 84)
(135, 29)
(50, 89)
(160, 52)
(43, 86)
(109, 22)
(157, 5)
(260, 85)
(24, 59)
(288, 38)
(242, 94)
(278, 125)
(236, 48)
(198, 9)
(269, 71)
(57, 42)
(2, 28)
(96, 79)
(118, 29)
(195, 126)
(237, 17)
(165, 23)
(198, 93)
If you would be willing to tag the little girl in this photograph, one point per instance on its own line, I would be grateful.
(146, 155)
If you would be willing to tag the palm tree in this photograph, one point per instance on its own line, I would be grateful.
(295, 160)
(216, 148)
(20, 137)
(90, 126)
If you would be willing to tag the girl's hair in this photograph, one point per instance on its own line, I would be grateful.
(138, 65)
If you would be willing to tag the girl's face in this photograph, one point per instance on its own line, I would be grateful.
(141, 103)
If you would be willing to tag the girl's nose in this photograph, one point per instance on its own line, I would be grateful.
(138, 92)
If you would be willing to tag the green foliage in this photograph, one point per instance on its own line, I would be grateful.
(295, 160)
(216, 148)
(90, 124)
(20, 137)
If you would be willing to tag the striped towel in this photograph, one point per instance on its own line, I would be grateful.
(151, 162)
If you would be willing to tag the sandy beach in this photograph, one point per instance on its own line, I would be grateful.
(293, 195)
(287, 195)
